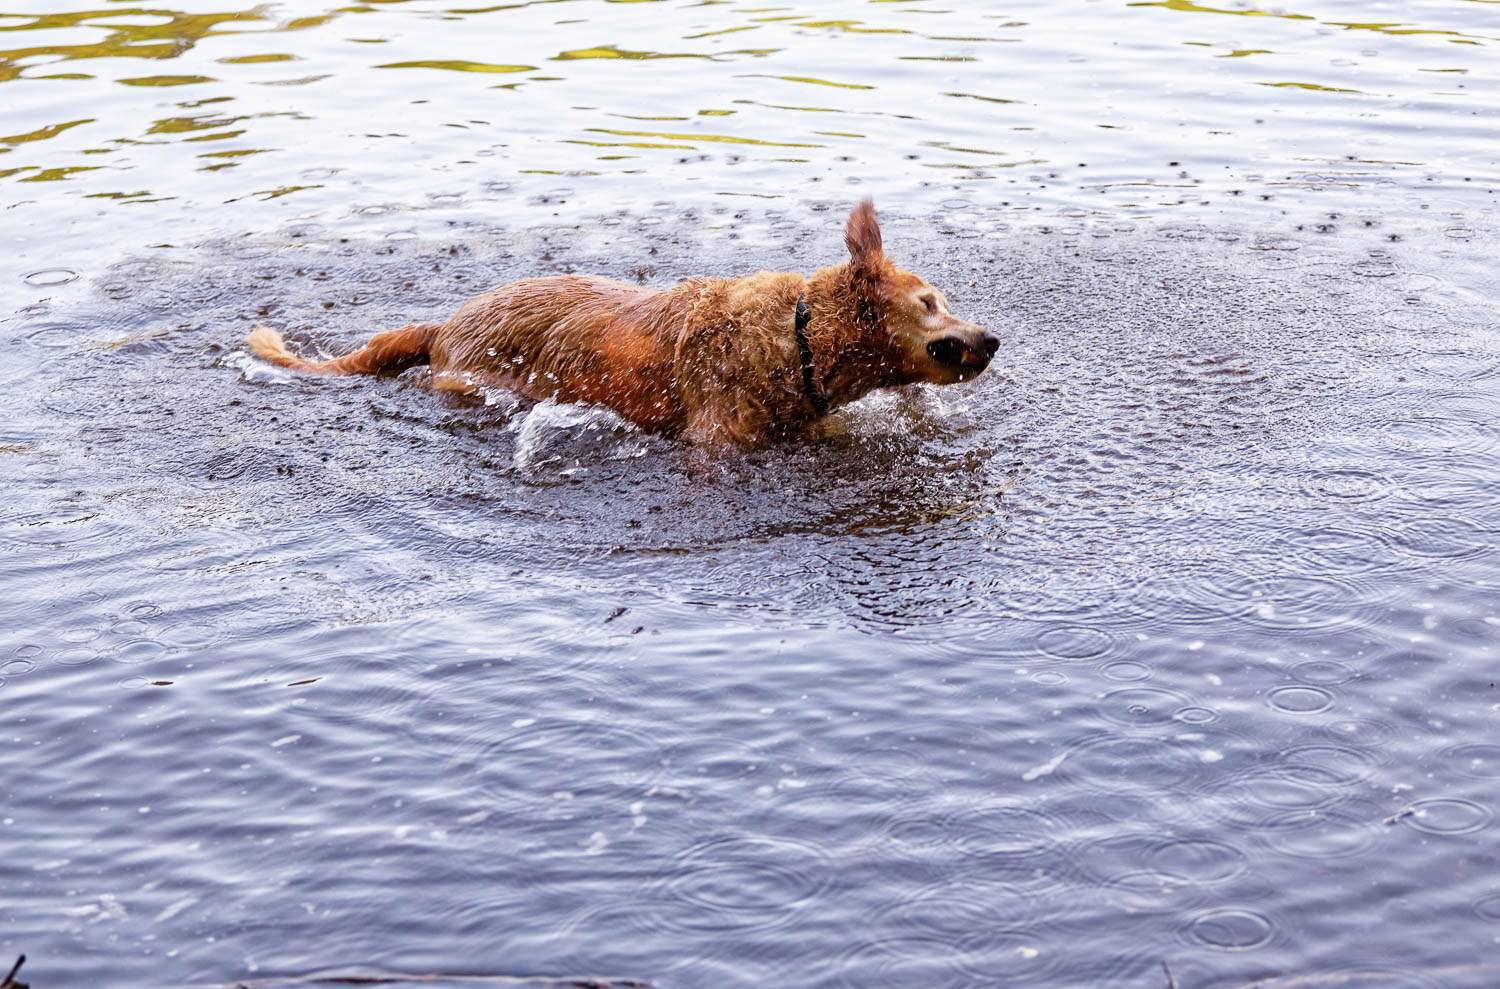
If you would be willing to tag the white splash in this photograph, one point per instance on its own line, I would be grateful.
(1045, 769)
(572, 436)
(176, 908)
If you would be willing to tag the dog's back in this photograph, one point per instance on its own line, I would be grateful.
(573, 338)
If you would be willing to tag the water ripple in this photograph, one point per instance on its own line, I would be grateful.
(1478, 760)
(737, 884)
(1324, 672)
(1142, 707)
(1328, 764)
(1228, 929)
(533, 763)
(1074, 642)
(1487, 907)
(1447, 816)
(1307, 602)
(1322, 835)
(1443, 537)
(899, 962)
(1301, 699)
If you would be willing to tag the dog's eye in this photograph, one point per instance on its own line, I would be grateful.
(930, 303)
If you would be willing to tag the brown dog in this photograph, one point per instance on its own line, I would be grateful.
(722, 362)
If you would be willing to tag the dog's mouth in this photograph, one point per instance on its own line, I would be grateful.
(962, 356)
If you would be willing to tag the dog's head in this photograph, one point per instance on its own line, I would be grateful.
(925, 340)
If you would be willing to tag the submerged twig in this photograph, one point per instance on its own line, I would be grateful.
(1171, 982)
(1336, 979)
(400, 979)
(10, 977)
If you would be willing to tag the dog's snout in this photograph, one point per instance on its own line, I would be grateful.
(970, 350)
(947, 350)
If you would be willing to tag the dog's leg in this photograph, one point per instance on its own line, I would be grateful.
(725, 430)
(390, 352)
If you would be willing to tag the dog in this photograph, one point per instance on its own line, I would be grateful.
(723, 363)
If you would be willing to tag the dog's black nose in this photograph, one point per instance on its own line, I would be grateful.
(988, 344)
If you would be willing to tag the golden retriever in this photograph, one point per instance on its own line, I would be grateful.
(720, 362)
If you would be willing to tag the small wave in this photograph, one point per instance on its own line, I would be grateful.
(563, 439)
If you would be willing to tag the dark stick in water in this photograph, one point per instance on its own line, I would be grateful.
(10, 977)
(1329, 981)
(391, 979)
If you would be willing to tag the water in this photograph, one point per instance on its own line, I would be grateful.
(1171, 639)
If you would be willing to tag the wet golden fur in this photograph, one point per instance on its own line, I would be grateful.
(713, 360)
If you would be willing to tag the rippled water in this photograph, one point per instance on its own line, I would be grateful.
(1171, 639)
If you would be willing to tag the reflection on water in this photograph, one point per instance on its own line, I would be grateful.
(1137, 107)
(1172, 639)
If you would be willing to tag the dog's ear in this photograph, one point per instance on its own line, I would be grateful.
(863, 235)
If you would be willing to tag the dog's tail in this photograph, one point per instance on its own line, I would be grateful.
(390, 352)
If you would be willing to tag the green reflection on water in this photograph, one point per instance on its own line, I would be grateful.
(705, 138)
(890, 71)
(451, 65)
(42, 133)
(614, 53)
(59, 174)
(1189, 6)
(610, 51)
(165, 80)
(1312, 86)
(854, 27)
(260, 59)
(813, 81)
(1393, 28)
(179, 33)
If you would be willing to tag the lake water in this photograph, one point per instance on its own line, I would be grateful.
(1172, 639)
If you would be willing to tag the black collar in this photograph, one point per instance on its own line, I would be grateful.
(815, 397)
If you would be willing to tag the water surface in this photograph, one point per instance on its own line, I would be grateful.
(1171, 639)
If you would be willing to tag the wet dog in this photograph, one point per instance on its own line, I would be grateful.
(720, 362)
